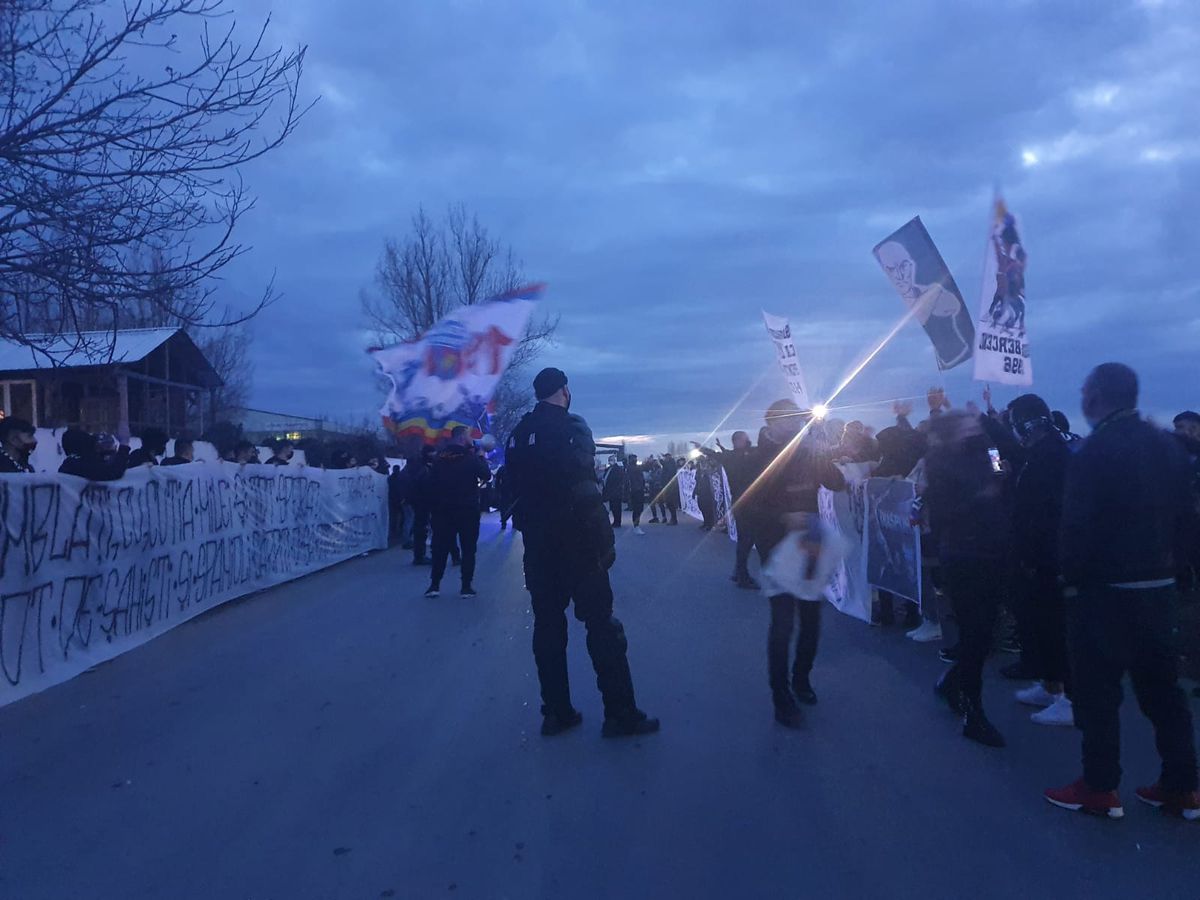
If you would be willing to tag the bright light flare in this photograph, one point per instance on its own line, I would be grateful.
(695, 454)
(820, 411)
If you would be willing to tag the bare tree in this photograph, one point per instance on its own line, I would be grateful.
(442, 265)
(116, 147)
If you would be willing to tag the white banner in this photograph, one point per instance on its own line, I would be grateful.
(722, 498)
(686, 479)
(89, 570)
(1002, 349)
(845, 511)
(780, 331)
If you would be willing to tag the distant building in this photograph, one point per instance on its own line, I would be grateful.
(261, 426)
(139, 378)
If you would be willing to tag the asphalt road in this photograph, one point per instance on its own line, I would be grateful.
(343, 737)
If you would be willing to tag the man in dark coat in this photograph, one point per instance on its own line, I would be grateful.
(1126, 504)
(17, 441)
(635, 480)
(569, 548)
(614, 491)
(85, 460)
(154, 445)
(454, 480)
(184, 453)
(668, 495)
(742, 466)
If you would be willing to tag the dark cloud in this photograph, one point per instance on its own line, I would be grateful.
(672, 168)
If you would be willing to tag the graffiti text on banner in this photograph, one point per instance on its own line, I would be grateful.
(90, 570)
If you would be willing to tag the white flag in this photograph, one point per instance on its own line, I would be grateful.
(1001, 349)
(780, 331)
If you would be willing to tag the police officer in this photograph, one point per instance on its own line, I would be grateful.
(569, 549)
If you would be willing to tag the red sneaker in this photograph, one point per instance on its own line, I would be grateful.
(1186, 806)
(1081, 798)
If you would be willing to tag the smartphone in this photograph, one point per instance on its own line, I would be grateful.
(994, 456)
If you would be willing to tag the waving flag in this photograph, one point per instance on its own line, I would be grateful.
(1002, 352)
(916, 270)
(780, 331)
(446, 377)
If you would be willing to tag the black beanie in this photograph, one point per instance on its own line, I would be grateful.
(549, 382)
(1027, 408)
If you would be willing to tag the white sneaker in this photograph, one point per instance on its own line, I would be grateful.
(926, 632)
(1036, 695)
(638, 530)
(1060, 712)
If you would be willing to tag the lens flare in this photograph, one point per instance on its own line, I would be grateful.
(820, 411)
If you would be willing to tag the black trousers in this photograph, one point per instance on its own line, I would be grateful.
(1111, 631)
(420, 531)
(1047, 615)
(455, 526)
(747, 537)
(396, 521)
(785, 610)
(976, 588)
(558, 573)
(637, 505)
(671, 502)
(615, 507)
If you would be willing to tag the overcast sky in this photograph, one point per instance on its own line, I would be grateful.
(672, 168)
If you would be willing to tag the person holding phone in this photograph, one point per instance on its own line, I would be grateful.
(964, 500)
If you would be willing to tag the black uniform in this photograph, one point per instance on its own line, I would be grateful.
(569, 548)
(454, 491)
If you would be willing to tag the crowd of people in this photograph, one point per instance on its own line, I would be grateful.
(106, 457)
(1084, 546)
(1087, 546)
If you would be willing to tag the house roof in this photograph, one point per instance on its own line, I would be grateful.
(103, 348)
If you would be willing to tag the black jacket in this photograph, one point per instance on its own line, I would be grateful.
(901, 447)
(791, 485)
(1127, 505)
(1037, 502)
(455, 477)
(95, 467)
(176, 461)
(396, 485)
(635, 480)
(551, 466)
(741, 467)
(614, 484)
(141, 457)
(965, 503)
(8, 465)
